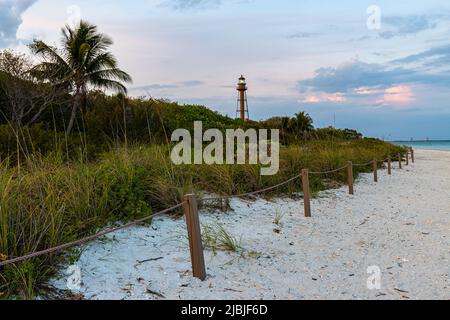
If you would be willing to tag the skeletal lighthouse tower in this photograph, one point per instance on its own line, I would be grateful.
(242, 99)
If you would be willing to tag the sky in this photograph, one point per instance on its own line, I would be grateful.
(381, 67)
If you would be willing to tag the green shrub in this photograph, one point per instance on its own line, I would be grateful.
(127, 199)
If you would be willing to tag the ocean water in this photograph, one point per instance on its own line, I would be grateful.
(430, 145)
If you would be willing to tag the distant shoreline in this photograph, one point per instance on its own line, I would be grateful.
(443, 145)
(419, 141)
(434, 150)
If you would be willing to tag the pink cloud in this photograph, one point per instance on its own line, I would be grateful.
(325, 97)
(367, 90)
(311, 99)
(397, 95)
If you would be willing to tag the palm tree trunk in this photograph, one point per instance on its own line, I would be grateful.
(73, 114)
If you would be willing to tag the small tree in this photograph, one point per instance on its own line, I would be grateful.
(24, 98)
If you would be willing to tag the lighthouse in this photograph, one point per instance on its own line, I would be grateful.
(242, 99)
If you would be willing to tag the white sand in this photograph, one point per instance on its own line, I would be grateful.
(401, 225)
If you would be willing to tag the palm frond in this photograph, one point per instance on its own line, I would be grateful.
(110, 74)
(40, 48)
(109, 84)
(105, 60)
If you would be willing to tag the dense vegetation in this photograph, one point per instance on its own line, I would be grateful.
(73, 159)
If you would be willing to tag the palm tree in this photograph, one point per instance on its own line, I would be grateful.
(81, 64)
(302, 123)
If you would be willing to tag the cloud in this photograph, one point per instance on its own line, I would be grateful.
(191, 83)
(154, 87)
(182, 5)
(396, 95)
(11, 18)
(371, 84)
(387, 34)
(367, 91)
(406, 25)
(324, 97)
(435, 57)
(402, 95)
(186, 5)
(301, 35)
(401, 26)
(157, 86)
(353, 75)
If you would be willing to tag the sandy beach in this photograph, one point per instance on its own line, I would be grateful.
(400, 225)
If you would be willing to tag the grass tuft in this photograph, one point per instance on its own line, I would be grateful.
(217, 238)
(278, 217)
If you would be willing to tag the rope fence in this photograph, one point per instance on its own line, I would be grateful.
(254, 193)
(328, 172)
(190, 206)
(363, 164)
(87, 239)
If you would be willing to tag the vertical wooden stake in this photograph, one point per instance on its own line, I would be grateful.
(400, 160)
(389, 166)
(306, 192)
(412, 155)
(407, 158)
(350, 178)
(195, 237)
(375, 170)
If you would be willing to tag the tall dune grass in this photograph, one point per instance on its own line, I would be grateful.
(50, 202)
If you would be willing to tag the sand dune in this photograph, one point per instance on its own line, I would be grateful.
(400, 226)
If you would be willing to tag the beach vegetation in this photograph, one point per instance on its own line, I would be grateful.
(74, 159)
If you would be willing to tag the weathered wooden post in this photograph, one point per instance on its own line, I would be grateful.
(407, 157)
(195, 237)
(389, 166)
(306, 192)
(399, 161)
(350, 178)
(375, 170)
(412, 155)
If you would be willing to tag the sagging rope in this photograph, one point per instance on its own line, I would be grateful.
(87, 239)
(252, 193)
(363, 164)
(329, 172)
